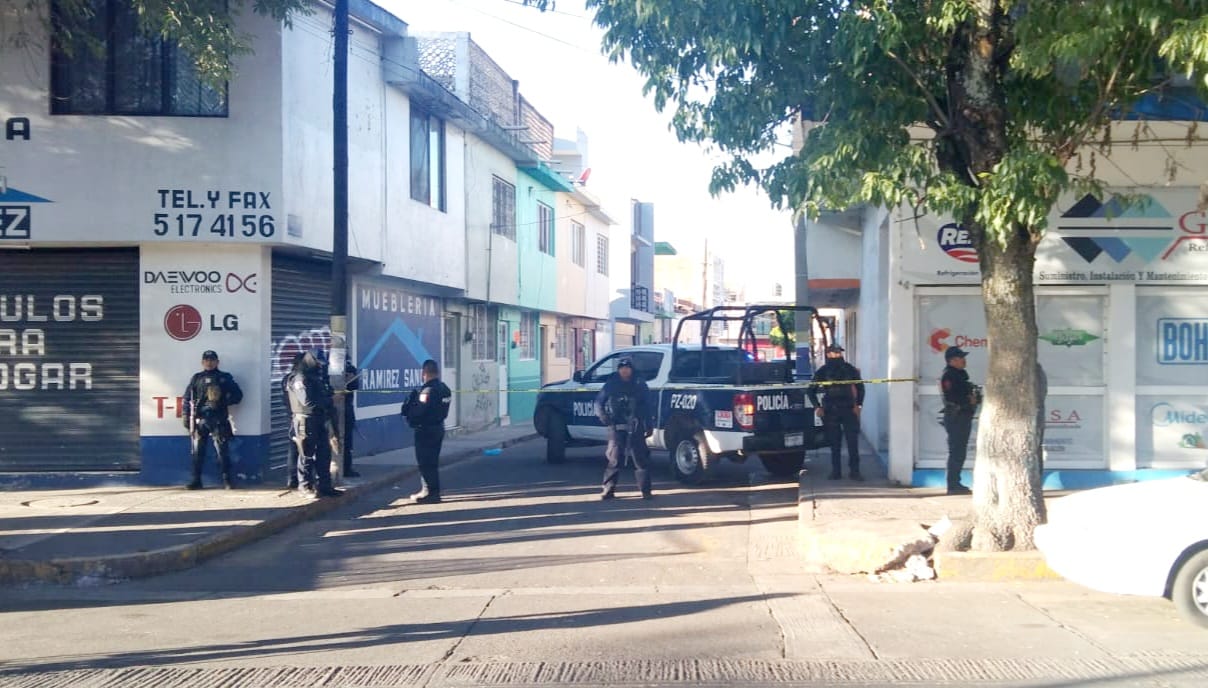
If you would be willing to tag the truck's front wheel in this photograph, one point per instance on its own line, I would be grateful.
(783, 465)
(690, 457)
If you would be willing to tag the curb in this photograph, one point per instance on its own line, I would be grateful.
(181, 557)
(992, 567)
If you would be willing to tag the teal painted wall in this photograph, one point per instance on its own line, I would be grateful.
(523, 375)
(538, 271)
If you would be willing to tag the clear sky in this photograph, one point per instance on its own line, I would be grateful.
(557, 59)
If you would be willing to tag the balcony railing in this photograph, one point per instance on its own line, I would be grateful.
(639, 298)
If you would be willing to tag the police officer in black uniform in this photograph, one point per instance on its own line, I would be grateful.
(352, 382)
(426, 410)
(313, 410)
(961, 398)
(207, 402)
(291, 451)
(840, 410)
(623, 406)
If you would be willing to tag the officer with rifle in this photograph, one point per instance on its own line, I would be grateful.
(623, 406)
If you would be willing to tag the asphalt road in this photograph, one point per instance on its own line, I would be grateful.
(522, 577)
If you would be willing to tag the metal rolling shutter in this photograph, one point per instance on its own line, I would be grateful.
(300, 321)
(46, 425)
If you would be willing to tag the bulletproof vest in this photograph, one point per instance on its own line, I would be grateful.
(209, 396)
(842, 371)
(620, 407)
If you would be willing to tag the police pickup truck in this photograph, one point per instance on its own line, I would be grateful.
(709, 401)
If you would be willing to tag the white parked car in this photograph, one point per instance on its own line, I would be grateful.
(1147, 538)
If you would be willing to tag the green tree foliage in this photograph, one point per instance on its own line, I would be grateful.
(205, 29)
(975, 109)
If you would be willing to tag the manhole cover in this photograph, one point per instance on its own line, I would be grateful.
(60, 502)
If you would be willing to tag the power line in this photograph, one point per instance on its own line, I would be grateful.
(551, 10)
(544, 35)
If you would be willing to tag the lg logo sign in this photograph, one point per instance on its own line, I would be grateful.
(184, 322)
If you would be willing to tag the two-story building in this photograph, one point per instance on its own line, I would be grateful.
(146, 217)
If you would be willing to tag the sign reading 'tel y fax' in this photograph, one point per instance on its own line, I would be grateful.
(214, 213)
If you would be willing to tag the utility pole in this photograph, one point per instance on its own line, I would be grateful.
(339, 251)
(804, 323)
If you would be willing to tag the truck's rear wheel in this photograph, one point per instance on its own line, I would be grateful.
(690, 457)
(555, 438)
(783, 465)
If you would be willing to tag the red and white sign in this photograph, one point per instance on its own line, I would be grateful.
(182, 322)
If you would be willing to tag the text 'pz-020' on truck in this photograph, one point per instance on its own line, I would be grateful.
(708, 401)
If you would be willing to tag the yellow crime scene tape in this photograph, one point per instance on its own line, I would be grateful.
(686, 388)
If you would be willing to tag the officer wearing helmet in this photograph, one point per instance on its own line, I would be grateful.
(313, 410)
(207, 402)
(623, 406)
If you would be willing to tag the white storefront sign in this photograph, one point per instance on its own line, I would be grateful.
(192, 301)
(1160, 238)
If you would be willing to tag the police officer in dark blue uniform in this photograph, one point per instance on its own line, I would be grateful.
(623, 406)
(840, 410)
(426, 411)
(207, 402)
(961, 398)
(352, 382)
(291, 451)
(311, 403)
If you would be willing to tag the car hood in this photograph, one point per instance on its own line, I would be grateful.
(1144, 504)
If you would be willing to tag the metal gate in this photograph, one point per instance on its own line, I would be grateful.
(69, 360)
(301, 321)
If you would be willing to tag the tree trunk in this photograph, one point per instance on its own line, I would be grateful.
(1007, 498)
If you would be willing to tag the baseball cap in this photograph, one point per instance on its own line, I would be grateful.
(834, 349)
(625, 363)
(209, 354)
(955, 352)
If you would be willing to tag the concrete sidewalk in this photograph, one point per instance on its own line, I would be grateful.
(843, 523)
(96, 534)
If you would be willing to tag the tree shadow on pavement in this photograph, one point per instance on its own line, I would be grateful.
(382, 635)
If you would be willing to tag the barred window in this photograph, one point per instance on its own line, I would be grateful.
(528, 336)
(482, 326)
(503, 208)
(113, 67)
(601, 254)
(560, 347)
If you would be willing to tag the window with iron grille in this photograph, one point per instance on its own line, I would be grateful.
(503, 208)
(528, 336)
(482, 325)
(560, 342)
(601, 254)
(578, 243)
(545, 229)
(114, 67)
